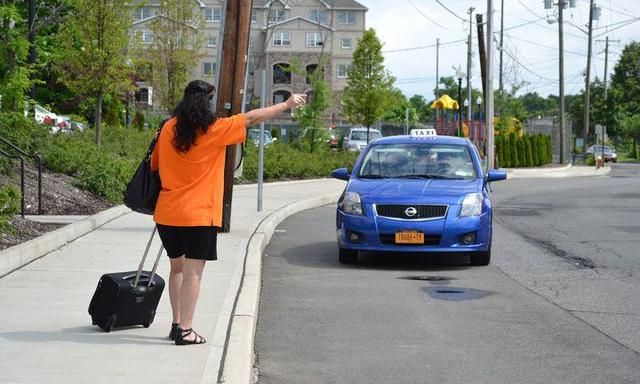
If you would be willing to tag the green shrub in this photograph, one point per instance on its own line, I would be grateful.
(513, 146)
(590, 160)
(9, 204)
(528, 150)
(283, 162)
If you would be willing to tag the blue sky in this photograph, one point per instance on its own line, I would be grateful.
(531, 41)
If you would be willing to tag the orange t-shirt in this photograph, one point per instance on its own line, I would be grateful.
(193, 182)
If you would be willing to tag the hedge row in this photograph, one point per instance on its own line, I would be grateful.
(104, 171)
(523, 151)
(284, 162)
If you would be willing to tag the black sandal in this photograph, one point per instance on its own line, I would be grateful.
(174, 331)
(186, 332)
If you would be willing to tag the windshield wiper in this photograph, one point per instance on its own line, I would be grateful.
(428, 176)
(371, 177)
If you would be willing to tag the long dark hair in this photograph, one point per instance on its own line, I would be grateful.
(193, 114)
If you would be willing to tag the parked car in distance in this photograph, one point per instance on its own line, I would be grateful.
(328, 136)
(416, 193)
(254, 134)
(608, 152)
(357, 138)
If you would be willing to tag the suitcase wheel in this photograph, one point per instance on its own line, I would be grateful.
(147, 323)
(109, 323)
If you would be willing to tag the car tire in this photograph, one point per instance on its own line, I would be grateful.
(347, 256)
(481, 258)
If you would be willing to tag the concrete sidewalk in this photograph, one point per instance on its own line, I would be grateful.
(45, 331)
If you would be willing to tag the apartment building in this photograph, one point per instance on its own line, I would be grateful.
(283, 32)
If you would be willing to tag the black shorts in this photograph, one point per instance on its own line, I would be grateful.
(193, 242)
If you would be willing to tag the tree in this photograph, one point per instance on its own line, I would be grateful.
(94, 63)
(537, 105)
(631, 129)
(175, 50)
(366, 98)
(319, 100)
(625, 81)
(397, 115)
(14, 48)
(424, 113)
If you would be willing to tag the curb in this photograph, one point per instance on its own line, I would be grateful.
(238, 362)
(20, 255)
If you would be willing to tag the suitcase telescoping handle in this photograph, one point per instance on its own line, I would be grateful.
(144, 258)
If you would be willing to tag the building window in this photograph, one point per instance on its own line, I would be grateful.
(282, 73)
(345, 43)
(282, 39)
(212, 15)
(277, 15)
(212, 41)
(318, 15)
(144, 95)
(281, 96)
(346, 17)
(141, 13)
(145, 37)
(254, 16)
(311, 68)
(314, 39)
(208, 69)
(342, 71)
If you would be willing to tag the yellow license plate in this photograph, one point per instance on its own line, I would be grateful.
(408, 237)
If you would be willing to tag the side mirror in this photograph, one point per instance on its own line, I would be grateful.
(341, 173)
(495, 175)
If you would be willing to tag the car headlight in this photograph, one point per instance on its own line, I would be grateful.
(471, 205)
(351, 204)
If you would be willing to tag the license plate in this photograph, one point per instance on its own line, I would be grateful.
(409, 237)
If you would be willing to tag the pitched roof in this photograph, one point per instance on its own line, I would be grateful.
(300, 18)
(333, 4)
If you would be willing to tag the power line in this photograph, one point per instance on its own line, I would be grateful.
(615, 29)
(428, 18)
(525, 67)
(450, 11)
(448, 43)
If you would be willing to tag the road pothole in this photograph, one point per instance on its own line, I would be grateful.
(456, 293)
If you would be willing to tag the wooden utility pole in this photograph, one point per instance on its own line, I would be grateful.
(561, 6)
(482, 54)
(235, 44)
(587, 82)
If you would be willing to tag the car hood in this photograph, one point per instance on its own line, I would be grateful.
(412, 191)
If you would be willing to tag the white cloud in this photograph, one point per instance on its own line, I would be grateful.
(535, 46)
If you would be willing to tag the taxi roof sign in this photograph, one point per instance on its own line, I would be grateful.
(423, 132)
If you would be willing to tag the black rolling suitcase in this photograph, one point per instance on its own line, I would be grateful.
(127, 298)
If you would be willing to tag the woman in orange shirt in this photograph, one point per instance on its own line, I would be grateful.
(189, 156)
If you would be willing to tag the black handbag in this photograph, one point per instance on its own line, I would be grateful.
(144, 188)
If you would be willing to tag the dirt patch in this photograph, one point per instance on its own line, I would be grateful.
(59, 197)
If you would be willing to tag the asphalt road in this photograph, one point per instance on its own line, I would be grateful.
(535, 315)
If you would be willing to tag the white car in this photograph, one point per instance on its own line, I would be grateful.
(357, 138)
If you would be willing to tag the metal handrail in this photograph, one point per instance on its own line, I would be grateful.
(21, 177)
(39, 162)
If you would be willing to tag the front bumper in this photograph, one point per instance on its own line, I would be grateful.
(376, 233)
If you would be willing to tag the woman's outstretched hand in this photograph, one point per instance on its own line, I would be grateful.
(296, 100)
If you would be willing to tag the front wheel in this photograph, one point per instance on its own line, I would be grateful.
(347, 256)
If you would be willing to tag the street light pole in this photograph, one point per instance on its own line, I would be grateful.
(470, 11)
(489, 87)
(459, 105)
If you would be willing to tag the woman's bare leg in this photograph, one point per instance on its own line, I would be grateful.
(192, 275)
(175, 285)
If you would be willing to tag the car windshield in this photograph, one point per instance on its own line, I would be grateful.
(255, 135)
(362, 135)
(418, 161)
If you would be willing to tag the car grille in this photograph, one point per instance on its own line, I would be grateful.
(422, 211)
(390, 239)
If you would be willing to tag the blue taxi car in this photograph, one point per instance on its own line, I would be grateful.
(416, 193)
